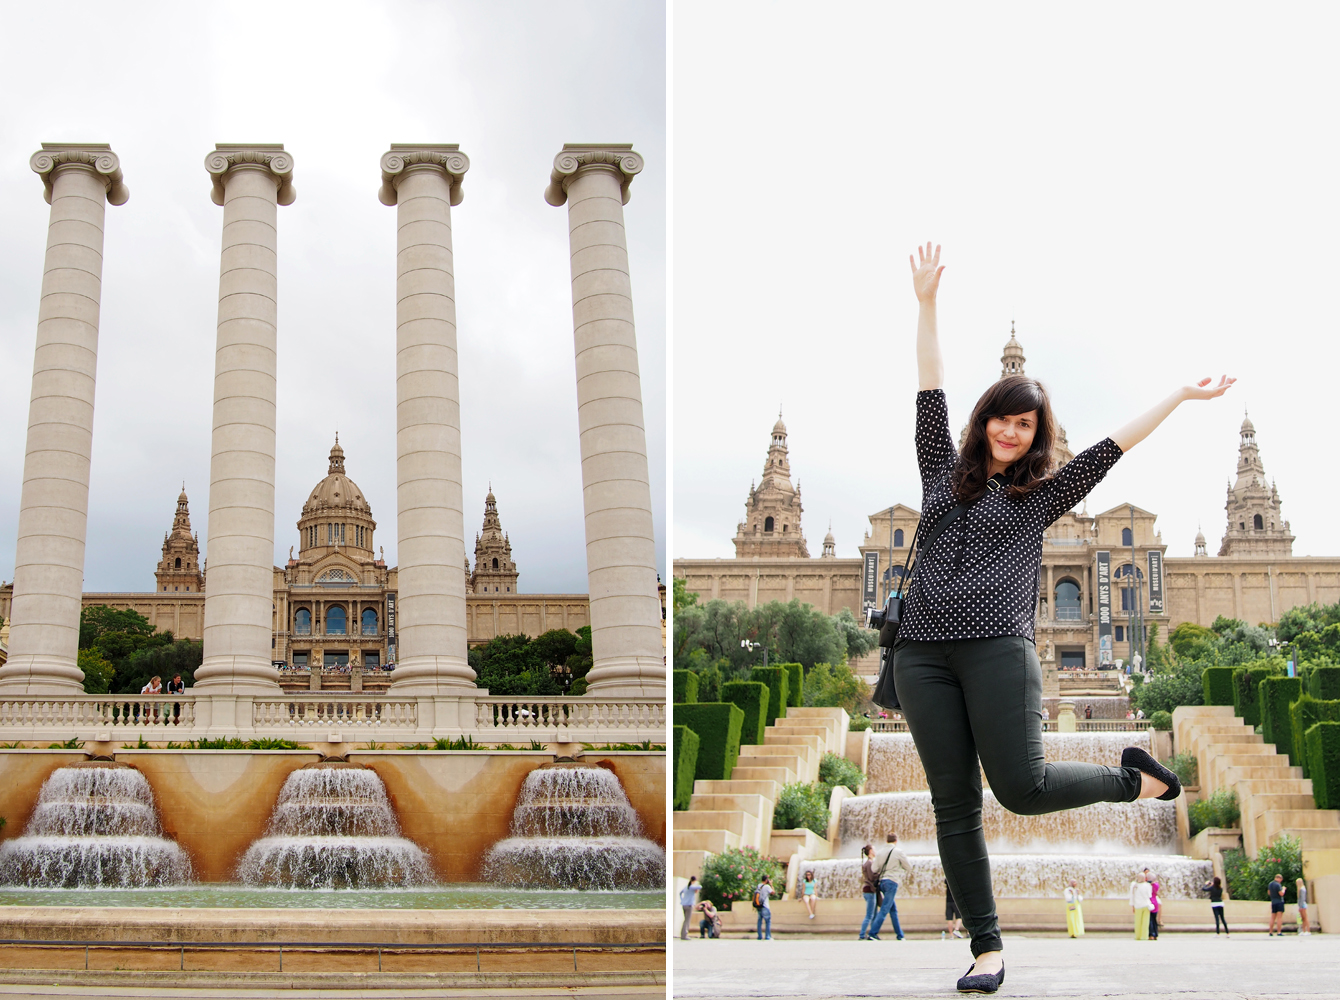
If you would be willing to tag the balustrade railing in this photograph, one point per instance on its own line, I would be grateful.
(100, 711)
(523, 713)
(345, 711)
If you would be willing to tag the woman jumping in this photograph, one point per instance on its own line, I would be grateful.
(964, 667)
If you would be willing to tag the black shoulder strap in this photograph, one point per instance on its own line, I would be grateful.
(949, 517)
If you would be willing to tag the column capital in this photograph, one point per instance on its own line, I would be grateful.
(576, 155)
(226, 156)
(401, 156)
(96, 155)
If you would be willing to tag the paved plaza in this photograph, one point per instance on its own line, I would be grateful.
(1192, 966)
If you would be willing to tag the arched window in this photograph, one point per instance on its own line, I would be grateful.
(897, 538)
(1258, 519)
(767, 524)
(302, 622)
(369, 622)
(1067, 601)
(784, 527)
(495, 563)
(1257, 523)
(335, 621)
(1125, 536)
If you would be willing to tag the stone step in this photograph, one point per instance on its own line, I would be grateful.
(737, 786)
(686, 863)
(1301, 819)
(773, 772)
(742, 824)
(754, 805)
(1258, 802)
(803, 751)
(712, 841)
(1317, 840)
(815, 744)
(1269, 777)
(794, 762)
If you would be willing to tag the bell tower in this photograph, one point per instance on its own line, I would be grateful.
(771, 527)
(179, 569)
(1256, 526)
(495, 573)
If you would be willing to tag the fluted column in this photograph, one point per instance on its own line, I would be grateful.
(53, 507)
(423, 182)
(629, 659)
(249, 182)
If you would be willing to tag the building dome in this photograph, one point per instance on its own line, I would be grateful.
(779, 427)
(337, 489)
(829, 539)
(1247, 425)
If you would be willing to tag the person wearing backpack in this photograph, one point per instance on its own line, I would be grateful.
(886, 878)
(962, 667)
(761, 895)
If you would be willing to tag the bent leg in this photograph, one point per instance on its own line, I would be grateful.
(1002, 685)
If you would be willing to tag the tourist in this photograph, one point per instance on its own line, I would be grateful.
(807, 892)
(155, 686)
(1304, 926)
(1088, 712)
(1215, 887)
(953, 919)
(1139, 713)
(888, 887)
(1275, 890)
(688, 896)
(869, 888)
(965, 672)
(710, 924)
(1140, 904)
(176, 686)
(761, 894)
(1154, 905)
(1046, 715)
(1130, 716)
(1074, 914)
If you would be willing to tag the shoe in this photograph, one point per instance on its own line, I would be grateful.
(984, 983)
(873, 937)
(1145, 764)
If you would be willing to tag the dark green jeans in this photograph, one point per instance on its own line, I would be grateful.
(967, 699)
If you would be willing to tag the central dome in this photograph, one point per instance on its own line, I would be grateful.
(337, 489)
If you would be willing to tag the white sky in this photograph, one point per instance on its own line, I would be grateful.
(337, 83)
(1147, 190)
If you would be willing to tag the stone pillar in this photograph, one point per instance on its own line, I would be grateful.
(250, 181)
(424, 182)
(620, 546)
(53, 508)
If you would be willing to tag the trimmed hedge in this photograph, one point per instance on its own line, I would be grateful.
(1323, 753)
(1246, 692)
(795, 684)
(1218, 684)
(1305, 713)
(776, 678)
(1276, 695)
(752, 698)
(717, 724)
(686, 687)
(684, 762)
(1324, 683)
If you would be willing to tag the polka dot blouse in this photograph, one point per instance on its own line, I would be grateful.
(980, 579)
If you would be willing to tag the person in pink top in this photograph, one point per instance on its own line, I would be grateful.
(1154, 905)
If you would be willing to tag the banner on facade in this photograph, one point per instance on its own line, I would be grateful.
(390, 630)
(1104, 607)
(871, 580)
(1156, 583)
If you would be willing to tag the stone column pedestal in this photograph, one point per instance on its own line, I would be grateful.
(629, 658)
(249, 182)
(1065, 717)
(79, 179)
(424, 182)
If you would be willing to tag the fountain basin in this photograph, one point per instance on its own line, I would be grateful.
(588, 863)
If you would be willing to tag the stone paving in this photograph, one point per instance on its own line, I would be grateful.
(1191, 966)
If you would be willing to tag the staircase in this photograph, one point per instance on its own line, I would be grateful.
(738, 812)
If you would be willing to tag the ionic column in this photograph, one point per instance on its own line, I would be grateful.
(423, 182)
(249, 182)
(53, 507)
(620, 545)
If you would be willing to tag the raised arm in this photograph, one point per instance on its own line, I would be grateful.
(1140, 428)
(926, 283)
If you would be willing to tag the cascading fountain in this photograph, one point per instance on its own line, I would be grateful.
(573, 828)
(333, 828)
(94, 826)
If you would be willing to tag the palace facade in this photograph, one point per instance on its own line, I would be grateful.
(1099, 571)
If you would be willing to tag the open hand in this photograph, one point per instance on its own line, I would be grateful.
(926, 276)
(1206, 389)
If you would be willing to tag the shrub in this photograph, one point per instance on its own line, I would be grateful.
(834, 770)
(1219, 810)
(1246, 690)
(717, 724)
(858, 724)
(1323, 756)
(753, 699)
(776, 678)
(1305, 713)
(733, 874)
(802, 807)
(1217, 684)
(1324, 684)
(795, 684)
(1161, 720)
(1247, 879)
(685, 763)
(1185, 766)
(830, 685)
(686, 687)
(1276, 695)
(1165, 692)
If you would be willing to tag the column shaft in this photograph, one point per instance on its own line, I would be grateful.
(53, 507)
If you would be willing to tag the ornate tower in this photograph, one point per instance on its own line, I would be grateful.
(495, 573)
(336, 517)
(1200, 543)
(1012, 358)
(1255, 525)
(771, 526)
(830, 545)
(179, 569)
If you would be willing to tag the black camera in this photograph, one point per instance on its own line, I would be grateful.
(886, 619)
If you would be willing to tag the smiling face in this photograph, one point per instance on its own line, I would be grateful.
(1009, 438)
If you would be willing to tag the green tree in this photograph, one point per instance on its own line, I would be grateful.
(829, 686)
(118, 636)
(179, 657)
(1163, 692)
(98, 671)
(1309, 618)
(1191, 641)
(681, 597)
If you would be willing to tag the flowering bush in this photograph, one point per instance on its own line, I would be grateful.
(734, 873)
(1247, 878)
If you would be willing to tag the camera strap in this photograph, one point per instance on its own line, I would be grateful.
(993, 484)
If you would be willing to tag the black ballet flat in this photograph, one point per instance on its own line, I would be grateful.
(1142, 762)
(983, 983)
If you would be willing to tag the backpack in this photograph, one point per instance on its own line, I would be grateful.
(758, 900)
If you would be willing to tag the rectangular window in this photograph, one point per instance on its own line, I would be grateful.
(337, 661)
(1120, 633)
(371, 658)
(300, 661)
(1072, 660)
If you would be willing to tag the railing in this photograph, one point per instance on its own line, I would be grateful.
(1048, 725)
(506, 713)
(100, 711)
(318, 710)
(888, 726)
(1068, 614)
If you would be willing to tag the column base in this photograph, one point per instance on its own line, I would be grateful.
(236, 675)
(419, 675)
(41, 674)
(627, 677)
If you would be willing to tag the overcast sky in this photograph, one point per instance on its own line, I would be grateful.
(1147, 190)
(337, 83)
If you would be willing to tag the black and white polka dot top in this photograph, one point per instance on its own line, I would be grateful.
(980, 579)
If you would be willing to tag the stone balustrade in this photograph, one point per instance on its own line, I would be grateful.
(569, 717)
(326, 712)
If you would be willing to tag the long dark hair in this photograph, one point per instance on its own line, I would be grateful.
(1012, 395)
